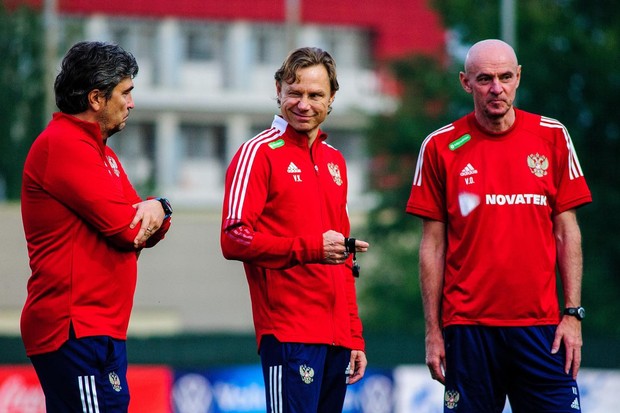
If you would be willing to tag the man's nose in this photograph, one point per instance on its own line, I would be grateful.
(496, 86)
(303, 103)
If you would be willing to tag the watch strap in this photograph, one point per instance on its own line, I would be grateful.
(577, 312)
(165, 204)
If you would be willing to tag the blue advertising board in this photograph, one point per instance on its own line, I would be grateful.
(240, 389)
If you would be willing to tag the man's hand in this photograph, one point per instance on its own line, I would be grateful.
(357, 366)
(569, 333)
(150, 216)
(334, 249)
(436, 356)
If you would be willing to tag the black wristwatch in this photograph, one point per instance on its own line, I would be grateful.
(165, 204)
(577, 312)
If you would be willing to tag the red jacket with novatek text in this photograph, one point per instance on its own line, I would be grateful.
(281, 196)
(77, 204)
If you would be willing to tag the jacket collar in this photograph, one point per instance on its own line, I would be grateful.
(299, 139)
(90, 128)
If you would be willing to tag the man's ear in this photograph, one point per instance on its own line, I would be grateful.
(464, 82)
(518, 75)
(95, 99)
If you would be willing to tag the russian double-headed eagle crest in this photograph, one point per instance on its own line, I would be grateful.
(334, 170)
(115, 381)
(307, 374)
(114, 166)
(451, 398)
(538, 164)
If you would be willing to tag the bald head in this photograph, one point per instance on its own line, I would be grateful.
(492, 75)
(490, 50)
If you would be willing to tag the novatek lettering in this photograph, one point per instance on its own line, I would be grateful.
(516, 199)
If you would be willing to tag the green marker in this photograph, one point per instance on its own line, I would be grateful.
(276, 144)
(460, 142)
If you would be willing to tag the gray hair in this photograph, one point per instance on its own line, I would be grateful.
(88, 66)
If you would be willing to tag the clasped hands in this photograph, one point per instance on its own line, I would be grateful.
(150, 215)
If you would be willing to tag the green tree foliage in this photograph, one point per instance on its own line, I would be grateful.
(22, 98)
(429, 97)
(570, 54)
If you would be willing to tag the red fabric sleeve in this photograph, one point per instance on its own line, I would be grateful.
(242, 240)
(79, 179)
(427, 198)
(573, 190)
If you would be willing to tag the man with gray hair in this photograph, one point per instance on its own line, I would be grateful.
(85, 226)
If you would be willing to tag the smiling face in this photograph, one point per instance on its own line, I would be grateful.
(492, 77)
(113, 113)
(305, 103)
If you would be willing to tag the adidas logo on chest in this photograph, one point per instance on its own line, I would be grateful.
(294, 171)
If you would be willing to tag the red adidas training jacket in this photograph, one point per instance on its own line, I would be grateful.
(281, 196)
(76, 210)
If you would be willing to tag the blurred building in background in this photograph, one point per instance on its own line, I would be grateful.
(205, 86)
(206, 76)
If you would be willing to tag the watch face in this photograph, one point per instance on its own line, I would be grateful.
(578, 312)
(581, 312)
(166, 205)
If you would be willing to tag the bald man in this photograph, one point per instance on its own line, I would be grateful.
(497, 192)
